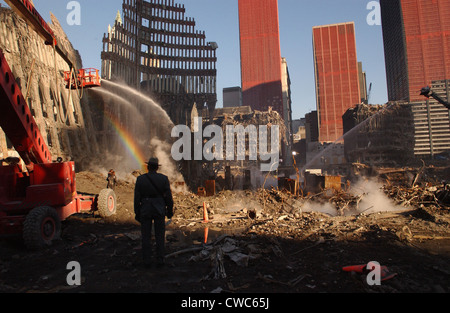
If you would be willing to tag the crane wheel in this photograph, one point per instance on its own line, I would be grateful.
(42, 225)
(107, 203)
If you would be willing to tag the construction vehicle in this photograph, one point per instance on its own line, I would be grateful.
(427, 92)
(86, 78)
(36, 197)
(82, 78)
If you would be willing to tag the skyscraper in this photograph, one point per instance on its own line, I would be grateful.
(337, 77)
(260, 55)
(416, 36)
(264, 73)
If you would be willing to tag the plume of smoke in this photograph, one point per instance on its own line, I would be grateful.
(326, 208)
(162, 151)
(131, 108)
(373, 198)
(122, 166)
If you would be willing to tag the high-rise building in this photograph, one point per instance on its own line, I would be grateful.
(363, 84)
(260, 55)
(232, 97)
(337, 77)
(264, 73)
(416, 36)
(311, 127)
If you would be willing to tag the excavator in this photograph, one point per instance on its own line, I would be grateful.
(427, 92)
(37, 197)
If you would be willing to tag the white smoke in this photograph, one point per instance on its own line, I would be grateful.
(162, 151)
(368, 198)
(134, 110)
(373, 199)
(326, 208)
(122, 166)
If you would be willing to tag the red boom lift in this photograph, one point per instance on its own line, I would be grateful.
(86, 78)
(33, 202)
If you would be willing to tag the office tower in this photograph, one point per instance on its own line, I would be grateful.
(232, 97)
(417, 45)
(260, 55)
(337, 77)
(264, 73)
(416, 36)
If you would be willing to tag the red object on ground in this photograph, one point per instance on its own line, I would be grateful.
(385, 273)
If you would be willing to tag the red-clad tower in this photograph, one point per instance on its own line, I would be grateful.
(416, 35)
(261, 72)
(417, 45)
(337, 77)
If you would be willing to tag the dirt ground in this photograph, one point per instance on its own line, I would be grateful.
(256, 242)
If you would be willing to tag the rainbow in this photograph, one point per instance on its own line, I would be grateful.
(127, 140)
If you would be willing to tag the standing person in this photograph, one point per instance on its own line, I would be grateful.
(112, 180)
(152, 203)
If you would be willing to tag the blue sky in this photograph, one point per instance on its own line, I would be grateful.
(219, 19)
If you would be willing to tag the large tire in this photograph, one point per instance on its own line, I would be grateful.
(41, 227)
(106, 203)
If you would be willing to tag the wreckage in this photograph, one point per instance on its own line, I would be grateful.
(244, 171)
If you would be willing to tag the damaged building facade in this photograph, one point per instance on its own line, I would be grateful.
(243, 171)
(62, 115)
(156, 49)
(379, 135)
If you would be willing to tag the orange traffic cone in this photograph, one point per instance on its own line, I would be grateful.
(205, 213)
(206, 235)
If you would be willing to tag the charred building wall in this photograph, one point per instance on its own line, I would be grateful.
(381, 135)
(156, 49)
(62, 116)
(247, 174)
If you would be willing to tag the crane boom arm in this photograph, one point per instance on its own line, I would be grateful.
(28, 12)
(427, 92)
(17, 121)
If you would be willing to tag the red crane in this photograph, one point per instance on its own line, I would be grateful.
(84, 78)
(33, 202)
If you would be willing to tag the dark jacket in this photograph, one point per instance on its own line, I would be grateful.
(159, 189)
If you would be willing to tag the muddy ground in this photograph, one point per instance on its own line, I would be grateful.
(256, 242)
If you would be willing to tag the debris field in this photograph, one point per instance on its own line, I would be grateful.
(251, 241)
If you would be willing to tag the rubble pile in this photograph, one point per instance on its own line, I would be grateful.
(279, 214)
(264, 240)
(438, 196)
